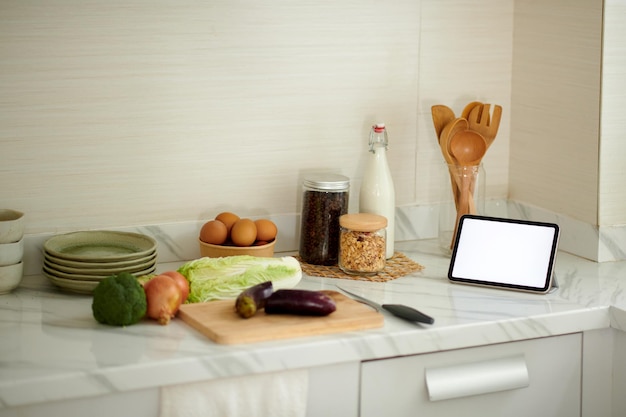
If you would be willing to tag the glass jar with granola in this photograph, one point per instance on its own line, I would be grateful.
(362, 243)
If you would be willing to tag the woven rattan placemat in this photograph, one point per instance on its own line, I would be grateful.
(398, 266)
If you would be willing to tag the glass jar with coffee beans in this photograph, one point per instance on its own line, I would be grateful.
(324, 200)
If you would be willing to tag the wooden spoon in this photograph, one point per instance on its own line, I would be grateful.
(455, 126)
(468, 148)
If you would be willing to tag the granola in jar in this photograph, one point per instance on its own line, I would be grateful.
(362, 243)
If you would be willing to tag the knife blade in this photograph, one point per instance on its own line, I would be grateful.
(399, 310)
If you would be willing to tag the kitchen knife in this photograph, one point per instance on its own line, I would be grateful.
(398, 310)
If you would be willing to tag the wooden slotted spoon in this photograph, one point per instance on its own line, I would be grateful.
(482, 122)
(469, 107)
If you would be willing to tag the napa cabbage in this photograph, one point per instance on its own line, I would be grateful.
(226, 277)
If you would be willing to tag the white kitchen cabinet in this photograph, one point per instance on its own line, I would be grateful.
(333, 392)
(539, 377)
(619, 374)
(142, 403)
(598, 365)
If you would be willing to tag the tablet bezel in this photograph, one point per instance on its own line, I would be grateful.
(521, 286)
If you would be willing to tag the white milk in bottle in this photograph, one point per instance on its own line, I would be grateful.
(377, 194)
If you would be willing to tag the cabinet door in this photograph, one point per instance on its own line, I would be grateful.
(334, 390)
(482, 381)
(619, 374)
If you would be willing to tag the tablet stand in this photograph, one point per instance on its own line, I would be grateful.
(554, 285)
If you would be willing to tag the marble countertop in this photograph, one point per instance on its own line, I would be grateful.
(51, 348)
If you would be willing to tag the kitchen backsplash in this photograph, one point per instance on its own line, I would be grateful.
(147, 114)
(178, 241)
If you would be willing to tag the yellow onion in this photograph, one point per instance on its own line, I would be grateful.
(164, 297)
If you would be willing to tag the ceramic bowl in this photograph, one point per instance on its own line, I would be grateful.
(11, 225)
(218, 251)
(10, 277)
(11, 253)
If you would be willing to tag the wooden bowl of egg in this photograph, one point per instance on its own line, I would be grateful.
(229, 235)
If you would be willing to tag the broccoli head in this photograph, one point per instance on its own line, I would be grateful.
(119, 300)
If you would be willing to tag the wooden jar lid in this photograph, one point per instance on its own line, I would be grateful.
(363, 222)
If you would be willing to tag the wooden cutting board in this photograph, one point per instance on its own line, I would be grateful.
(218, 321)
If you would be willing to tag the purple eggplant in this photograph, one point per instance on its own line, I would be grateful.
(300, 302)
(253, 299)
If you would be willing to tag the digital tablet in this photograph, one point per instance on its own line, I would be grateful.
(504, 253)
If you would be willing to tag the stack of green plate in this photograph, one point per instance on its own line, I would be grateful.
(78, 261)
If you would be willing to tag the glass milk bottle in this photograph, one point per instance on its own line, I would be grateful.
(377, 194)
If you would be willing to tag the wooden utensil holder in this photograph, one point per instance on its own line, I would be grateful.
(463, 192)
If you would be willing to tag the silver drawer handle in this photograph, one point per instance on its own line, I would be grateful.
(477, 378)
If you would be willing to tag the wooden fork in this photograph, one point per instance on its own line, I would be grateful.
(480, 121)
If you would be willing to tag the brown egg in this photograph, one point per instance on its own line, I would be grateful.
(265, 230)
(243, 232)
(228, 219)
(214, 231)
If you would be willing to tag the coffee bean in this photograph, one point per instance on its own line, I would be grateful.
(319, 232)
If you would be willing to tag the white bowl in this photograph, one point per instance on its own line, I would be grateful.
(10, 277)
(11, 225)
(11, 253)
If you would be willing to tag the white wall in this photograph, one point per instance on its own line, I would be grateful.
(139, 112)
(556, 102)
(147, 112)
(612, 204)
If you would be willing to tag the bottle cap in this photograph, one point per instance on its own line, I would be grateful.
(379, 127)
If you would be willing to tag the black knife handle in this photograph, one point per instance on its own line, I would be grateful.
(408, 313)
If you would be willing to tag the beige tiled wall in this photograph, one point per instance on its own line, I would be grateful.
(612, 194)
(556, 102)
(569, 93)
(465, 55)
(141, 112)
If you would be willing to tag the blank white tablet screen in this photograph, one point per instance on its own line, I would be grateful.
(504, 252)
